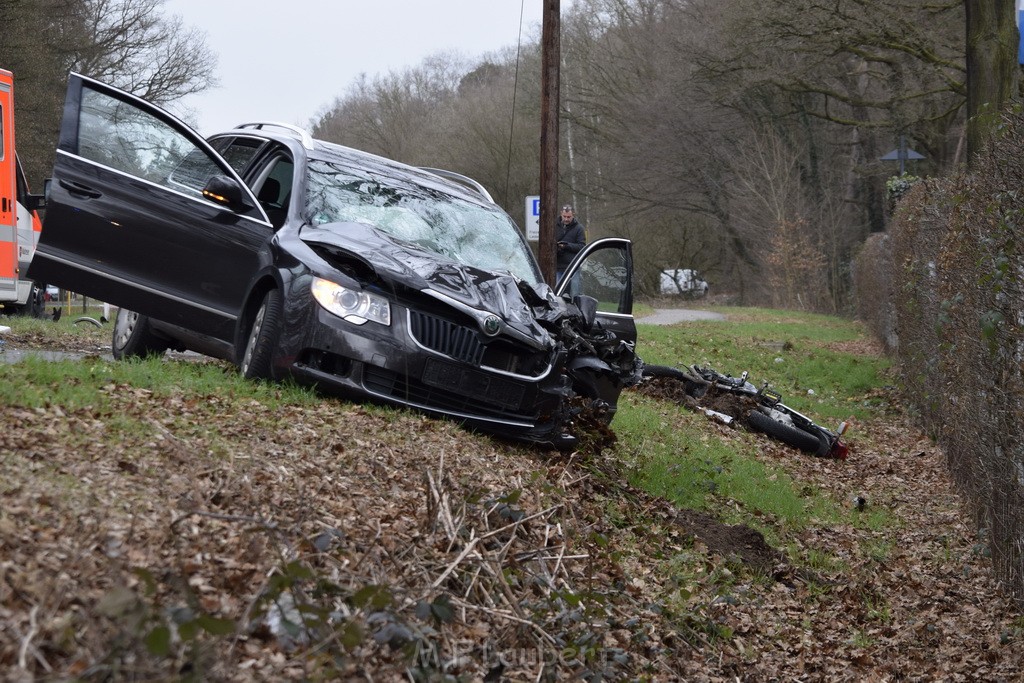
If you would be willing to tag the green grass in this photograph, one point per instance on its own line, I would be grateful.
(641, 310)
(64, 329)
(677, 455)
(88, 382)
(798, 354)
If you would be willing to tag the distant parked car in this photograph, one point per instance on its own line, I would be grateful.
(52, 293)
(683, 282)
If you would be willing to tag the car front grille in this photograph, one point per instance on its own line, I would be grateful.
(465, 344)
(450, 388)
(447, 337)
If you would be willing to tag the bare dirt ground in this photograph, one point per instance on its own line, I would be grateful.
(229, 541)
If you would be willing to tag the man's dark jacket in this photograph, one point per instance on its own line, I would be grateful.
(575, 237)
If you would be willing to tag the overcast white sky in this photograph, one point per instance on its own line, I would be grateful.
(286, 61)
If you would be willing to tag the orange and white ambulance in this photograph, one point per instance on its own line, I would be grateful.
(19, 220)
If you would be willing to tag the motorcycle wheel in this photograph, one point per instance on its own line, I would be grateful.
(695, 386)
(665, 371)
(789, 435)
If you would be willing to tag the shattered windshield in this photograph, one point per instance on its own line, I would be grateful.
(479, 236)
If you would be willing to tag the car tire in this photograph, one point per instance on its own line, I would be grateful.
(134, 337)
(257, 359)
(35, 307)
(791, 436)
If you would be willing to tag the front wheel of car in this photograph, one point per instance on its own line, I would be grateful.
(134, 336)
(263, 335)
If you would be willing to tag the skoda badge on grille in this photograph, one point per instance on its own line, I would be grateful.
(491, 325)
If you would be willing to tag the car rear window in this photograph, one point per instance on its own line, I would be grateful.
(240, 152)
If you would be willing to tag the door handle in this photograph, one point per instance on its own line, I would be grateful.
(79, 189)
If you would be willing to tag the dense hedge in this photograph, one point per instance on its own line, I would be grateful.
(943, 291)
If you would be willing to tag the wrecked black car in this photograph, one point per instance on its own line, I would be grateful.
(293, 257)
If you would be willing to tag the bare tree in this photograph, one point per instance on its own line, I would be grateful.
(133, 45)
(128, 43)
(394, 113)
(671, 103)
(651, 154)
(449, 113)
(491, 131)
(685, 120)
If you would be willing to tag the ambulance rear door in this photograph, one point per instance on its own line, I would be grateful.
(8, 193)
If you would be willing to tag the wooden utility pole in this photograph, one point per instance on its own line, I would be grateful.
(550, 49)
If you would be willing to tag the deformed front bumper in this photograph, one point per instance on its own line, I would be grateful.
(445, 375)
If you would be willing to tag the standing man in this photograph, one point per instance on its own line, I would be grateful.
(570, 238)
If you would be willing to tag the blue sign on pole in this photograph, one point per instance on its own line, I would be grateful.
(533, 217)
(1020, 43)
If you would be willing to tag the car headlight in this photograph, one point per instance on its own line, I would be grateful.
(353, 305)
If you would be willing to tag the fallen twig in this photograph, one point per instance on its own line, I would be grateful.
(33, 629)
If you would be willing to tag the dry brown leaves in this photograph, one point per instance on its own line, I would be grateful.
(474, 557)
(912, 600)
(411, 548)
(77, 338)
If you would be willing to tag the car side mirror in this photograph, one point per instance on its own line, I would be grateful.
(224, 191)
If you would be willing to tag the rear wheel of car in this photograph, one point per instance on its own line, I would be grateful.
(134, 336)
(263, 335)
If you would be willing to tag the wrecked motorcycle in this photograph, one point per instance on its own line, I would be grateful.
(764, 410)
(598, 364)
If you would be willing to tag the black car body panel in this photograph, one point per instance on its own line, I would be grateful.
(397, 284)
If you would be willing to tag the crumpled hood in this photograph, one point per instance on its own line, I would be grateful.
(421, 269)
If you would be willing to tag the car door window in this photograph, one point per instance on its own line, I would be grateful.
(281, 172)
(275, 189)
(116, 134)
(604, 271)
(605, 276)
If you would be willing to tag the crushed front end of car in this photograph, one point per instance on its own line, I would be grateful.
(490, 350)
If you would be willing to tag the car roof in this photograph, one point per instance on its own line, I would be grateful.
(300, 141)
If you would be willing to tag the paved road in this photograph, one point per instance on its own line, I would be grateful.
(671, 316)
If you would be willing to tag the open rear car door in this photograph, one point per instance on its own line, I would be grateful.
(131, 190)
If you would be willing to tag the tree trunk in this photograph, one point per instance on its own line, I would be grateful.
(992, 70)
